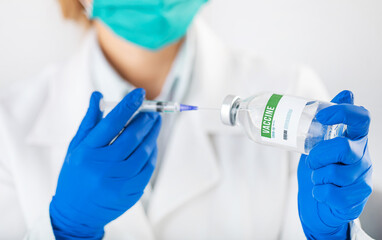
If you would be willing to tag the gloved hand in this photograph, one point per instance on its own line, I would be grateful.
(335, 178)
(99, 182)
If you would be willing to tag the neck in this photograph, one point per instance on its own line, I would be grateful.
(140, 67)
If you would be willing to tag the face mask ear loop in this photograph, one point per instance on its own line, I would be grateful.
(88, 8)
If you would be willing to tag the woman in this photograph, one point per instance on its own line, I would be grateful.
(210, 181)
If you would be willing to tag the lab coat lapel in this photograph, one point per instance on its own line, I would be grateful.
(66, 103)
(190, 168)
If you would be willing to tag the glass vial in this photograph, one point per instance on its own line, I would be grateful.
(280, 120)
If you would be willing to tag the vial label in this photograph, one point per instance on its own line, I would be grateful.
(281, 118)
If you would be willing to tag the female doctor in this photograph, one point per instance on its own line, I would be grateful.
(209, 182)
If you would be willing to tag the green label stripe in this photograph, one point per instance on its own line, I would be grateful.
(269, 112)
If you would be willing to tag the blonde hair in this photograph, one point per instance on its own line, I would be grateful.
(73, 10)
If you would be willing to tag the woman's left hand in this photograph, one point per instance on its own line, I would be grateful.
(335, 178)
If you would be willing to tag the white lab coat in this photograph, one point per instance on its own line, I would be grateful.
(214, 182)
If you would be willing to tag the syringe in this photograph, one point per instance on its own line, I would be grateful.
(154, 106)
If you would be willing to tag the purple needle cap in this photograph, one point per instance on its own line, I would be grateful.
(184, 107)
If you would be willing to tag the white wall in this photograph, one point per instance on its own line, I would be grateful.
(32, 35)
(341, 39)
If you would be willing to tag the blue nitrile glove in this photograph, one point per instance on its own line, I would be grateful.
(335, 178)
(99, 182)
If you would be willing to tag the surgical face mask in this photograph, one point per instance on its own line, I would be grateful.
(152, 24)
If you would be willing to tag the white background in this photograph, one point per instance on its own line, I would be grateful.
(340, 39)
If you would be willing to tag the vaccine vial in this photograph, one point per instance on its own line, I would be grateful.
(280, 120)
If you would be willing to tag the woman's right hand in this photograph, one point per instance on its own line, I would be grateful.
(98, 182)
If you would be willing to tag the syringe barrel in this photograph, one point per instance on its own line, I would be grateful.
(147, 106)
(159, 106)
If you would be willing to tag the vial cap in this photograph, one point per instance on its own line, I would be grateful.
(226, 110)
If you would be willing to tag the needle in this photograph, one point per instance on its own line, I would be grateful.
(209, 108)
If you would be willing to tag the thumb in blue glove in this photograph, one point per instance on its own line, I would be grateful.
(98, 182)
(335, 178)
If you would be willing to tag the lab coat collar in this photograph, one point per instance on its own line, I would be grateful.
(68, 99)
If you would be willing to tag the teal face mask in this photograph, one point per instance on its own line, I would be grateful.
(151, 24)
